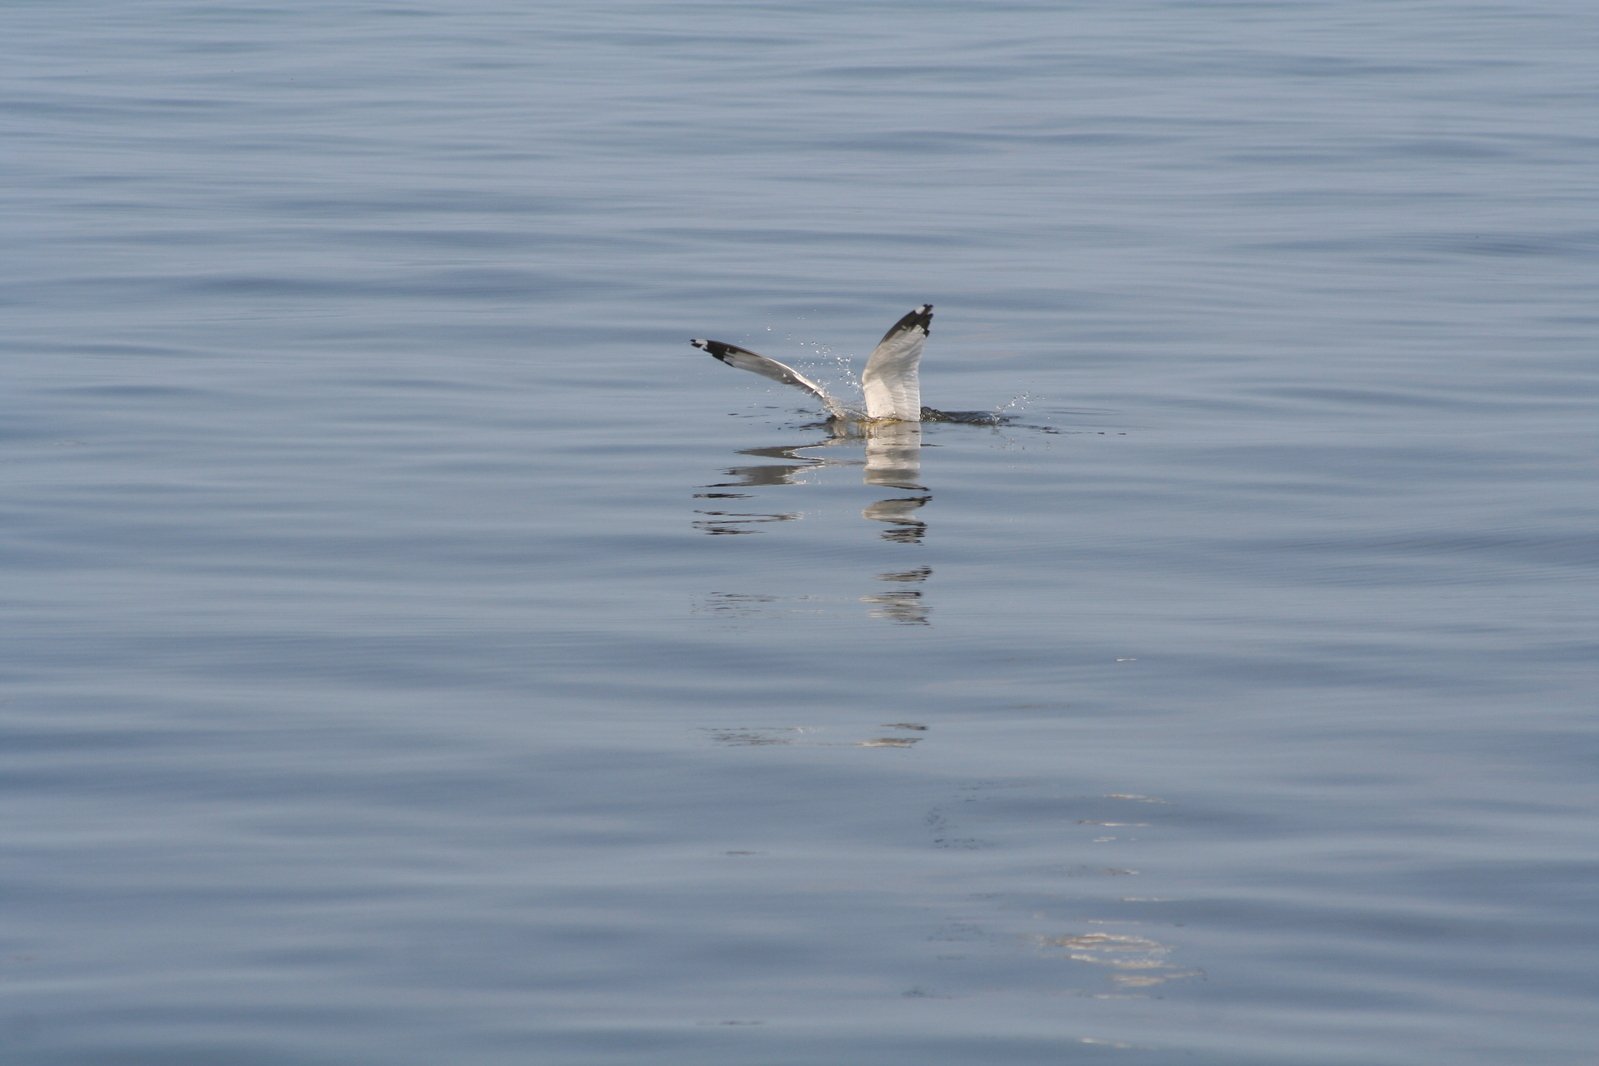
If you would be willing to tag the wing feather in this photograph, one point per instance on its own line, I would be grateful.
(892, 381)
(744, 359)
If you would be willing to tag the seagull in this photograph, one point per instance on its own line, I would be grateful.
(893, 390)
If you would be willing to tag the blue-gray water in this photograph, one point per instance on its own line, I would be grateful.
(416, 653)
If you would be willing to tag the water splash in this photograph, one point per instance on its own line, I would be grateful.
(1016, 405)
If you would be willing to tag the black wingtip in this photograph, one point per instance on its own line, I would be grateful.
(921, 318)
(717, 349)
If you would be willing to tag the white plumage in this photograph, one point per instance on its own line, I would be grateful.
(891, 380)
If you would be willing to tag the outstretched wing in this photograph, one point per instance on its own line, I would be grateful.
(744, 359)
(891, 381)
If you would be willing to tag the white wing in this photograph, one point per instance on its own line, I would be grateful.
(744, 359)
(893, 387)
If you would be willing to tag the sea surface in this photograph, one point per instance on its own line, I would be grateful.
(416, 653)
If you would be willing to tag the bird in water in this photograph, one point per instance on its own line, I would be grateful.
(890, 381)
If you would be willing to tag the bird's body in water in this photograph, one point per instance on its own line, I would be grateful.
(891, 381)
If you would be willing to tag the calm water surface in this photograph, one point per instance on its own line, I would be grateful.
(417, 653)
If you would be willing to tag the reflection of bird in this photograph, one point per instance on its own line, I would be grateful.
(890, 382)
